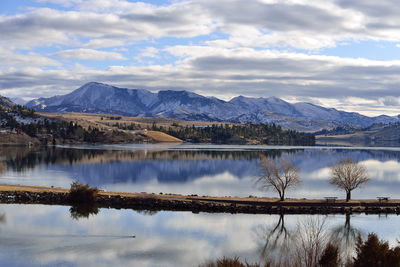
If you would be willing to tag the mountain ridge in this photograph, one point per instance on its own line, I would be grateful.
(96, 97)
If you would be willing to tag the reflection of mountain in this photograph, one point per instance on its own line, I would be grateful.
(162, 171)
(100, 167)
(20, 159)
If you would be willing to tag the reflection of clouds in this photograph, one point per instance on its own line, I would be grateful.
(40, 176)
(383, 171)
(46, 235)
(157, 243)
(319, 174)
(199, 171)
(219, 185)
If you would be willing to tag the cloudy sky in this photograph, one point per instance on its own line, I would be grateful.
(336, 53)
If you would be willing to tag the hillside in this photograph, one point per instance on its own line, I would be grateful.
(183, 105)
(375, 135)
(168, 130)
(22, 126)
(5, 102)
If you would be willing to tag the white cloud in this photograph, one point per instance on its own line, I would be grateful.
(238, 59)
(45, 26)
(104, 43)
(149, 52)
(89, 54)
(11, 58)
(301, 24)
(350, 84)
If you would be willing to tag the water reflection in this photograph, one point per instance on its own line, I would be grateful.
(37, 235)
(276, 239)
(190, 170)
(2, 218)
(346, 237)
(281, 245)
(147, 212)
(83, 211)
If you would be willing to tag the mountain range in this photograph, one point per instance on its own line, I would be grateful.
(96, 97)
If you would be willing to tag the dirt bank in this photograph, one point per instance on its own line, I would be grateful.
(145, 201)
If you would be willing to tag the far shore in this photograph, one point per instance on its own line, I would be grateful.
(18, 194)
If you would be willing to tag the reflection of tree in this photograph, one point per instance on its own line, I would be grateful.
(83, 211)
(2, 218)
(22, 159)
(346, 236)
(302, 246)
(147, 212)
(275, 239)
(3, 167)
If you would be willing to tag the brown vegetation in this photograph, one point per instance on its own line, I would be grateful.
(161, 137)
(82, 194)
(17, 139)
(279, 176)
(348, 174)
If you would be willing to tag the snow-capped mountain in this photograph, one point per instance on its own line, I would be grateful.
(6, 102)
(18, 101)
(183, 105)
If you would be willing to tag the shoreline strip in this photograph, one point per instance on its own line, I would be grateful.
(17, 194)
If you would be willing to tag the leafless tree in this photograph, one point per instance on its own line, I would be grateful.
(278, 175)
(348, 174)
(306, 245)
(310, 241)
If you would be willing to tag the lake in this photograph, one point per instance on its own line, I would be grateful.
(195, 169)
(38, 235)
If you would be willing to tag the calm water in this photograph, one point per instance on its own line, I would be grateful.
(35, 235)
(203, 170)
(47, 236)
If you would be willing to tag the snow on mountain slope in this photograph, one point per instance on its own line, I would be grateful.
(183, 105)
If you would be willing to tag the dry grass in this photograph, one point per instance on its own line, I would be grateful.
(20, 139)
(94, 120)
(161, 137)
(104, 122)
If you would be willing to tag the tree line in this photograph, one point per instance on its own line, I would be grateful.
(37, 126)
(269, 134)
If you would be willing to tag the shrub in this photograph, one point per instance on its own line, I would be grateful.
(330, 256)
(81, 194)
(374, 252)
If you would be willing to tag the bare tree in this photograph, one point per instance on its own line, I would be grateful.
(348, 174)
(279, 176)
(310, 241)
